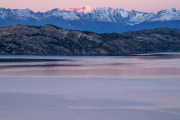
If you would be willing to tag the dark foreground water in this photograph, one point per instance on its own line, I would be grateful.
(145, 87)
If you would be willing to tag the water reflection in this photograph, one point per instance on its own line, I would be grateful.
(150, 65)
(34, 87)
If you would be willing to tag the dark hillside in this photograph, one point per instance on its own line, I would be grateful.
(51, 40)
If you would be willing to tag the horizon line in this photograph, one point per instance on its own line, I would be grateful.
(66, 9)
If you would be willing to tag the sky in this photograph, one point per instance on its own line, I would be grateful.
(45, 5)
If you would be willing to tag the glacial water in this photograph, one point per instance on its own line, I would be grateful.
(136, 87)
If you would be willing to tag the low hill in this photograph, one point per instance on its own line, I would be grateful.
(51, 40)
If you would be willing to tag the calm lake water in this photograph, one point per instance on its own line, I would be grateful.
(141, 87)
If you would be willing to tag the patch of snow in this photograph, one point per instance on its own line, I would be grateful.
(23, 13)
(65, 14)
(123, 12)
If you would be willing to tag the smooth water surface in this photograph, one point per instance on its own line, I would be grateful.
(143, 87)
(150, 65)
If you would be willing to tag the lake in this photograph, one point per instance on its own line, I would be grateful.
(135, 87)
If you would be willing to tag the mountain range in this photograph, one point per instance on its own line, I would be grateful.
(52, 40)
(100, 20)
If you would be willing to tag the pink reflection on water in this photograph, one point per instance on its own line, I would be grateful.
(131, 66)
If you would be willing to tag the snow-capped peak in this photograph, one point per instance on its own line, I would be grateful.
(85, 9)
(168, 14)
(167, 11)
(66, 15)
(172, 9)
(20, 13)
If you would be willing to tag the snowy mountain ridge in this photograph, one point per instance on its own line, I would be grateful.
(106, 14)
(88, 18)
